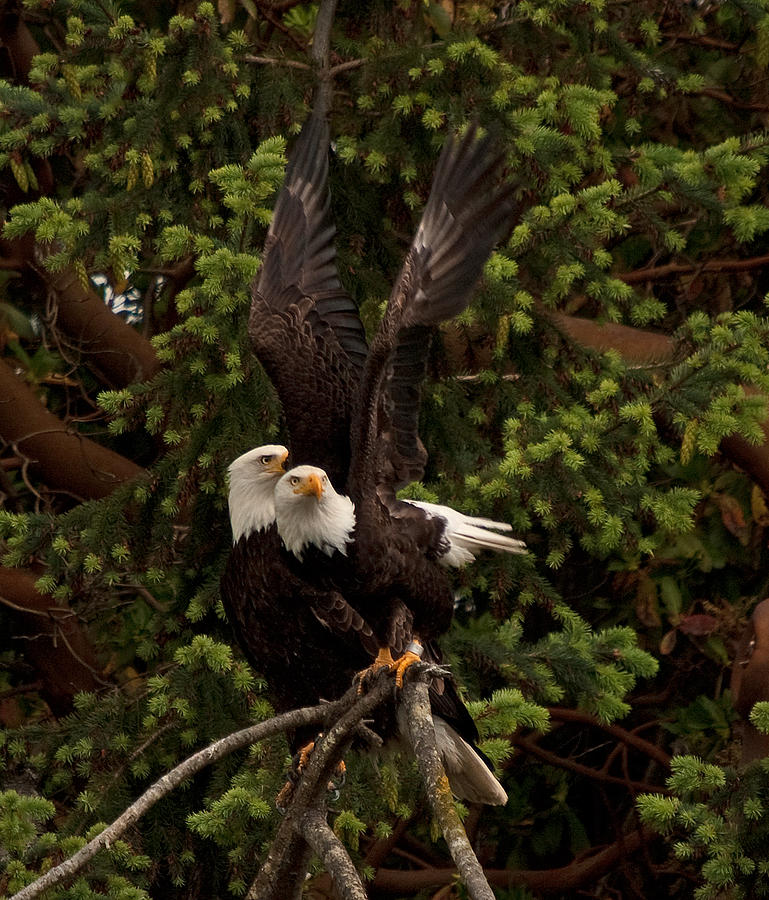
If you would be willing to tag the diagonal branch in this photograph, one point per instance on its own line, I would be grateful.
(163, 786)
(421, 733)
(283, 872)
(332, 854)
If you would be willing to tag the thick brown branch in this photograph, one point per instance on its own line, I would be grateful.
(472, 349)
(66, 460)
(113, 346)
(54, 642)
(107, 342)
(644, 348)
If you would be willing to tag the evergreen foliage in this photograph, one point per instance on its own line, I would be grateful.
(141, 152)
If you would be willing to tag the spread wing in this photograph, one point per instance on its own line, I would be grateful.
(466, 214)
(304, 328)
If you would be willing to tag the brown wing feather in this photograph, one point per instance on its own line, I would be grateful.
(304, 328)
(466, 213)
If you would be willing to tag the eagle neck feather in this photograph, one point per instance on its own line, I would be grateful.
(252, 504)
(327, 524)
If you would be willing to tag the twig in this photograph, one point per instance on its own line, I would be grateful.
(274, 61)
(564, 880)
(334, 857)
(163, 786)
(627, 737)
(421, 733)
(560, 762)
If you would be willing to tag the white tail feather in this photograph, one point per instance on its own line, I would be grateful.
(469, 776)
(466, 534)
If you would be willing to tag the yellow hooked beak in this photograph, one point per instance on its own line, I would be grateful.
(276, 467)
(310, 485)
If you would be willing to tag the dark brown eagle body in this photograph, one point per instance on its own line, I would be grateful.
(289, 630)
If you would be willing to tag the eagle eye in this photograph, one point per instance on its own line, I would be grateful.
(265, 460)
(295, 479)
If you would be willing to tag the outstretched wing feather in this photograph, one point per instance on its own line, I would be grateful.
(305, 329)
(466, 214)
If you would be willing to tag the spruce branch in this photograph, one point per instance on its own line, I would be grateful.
(167, 783)
(421, 733)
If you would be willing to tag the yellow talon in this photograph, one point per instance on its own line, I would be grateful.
(384, 660)
(401, 664)
(304, 756)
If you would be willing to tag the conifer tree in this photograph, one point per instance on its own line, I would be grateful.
(605, 393)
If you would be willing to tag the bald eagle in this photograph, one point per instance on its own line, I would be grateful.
(352, 410)
(261, 596)
(325, 643)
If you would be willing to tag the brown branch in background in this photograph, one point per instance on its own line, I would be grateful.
(725, 97)
(701, 40)
(108, 343)
(472, 348)
(636, 346)
(65, 460)
(655, 273)
(55, 643)
(265, 10)
(626, 737)
(552, 759)
(117, 350)
(276, 61)
(581, 871)
(18, 45)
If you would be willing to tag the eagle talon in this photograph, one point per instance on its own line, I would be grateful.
(413, 653)
(400, 665)
(384, 660)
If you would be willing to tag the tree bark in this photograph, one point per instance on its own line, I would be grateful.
(53, 641)
(65, 460)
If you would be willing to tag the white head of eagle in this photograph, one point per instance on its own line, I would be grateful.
(308, 511)
(253, 477)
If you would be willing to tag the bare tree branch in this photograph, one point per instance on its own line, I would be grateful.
(333, 855)
(422, 737)
(163, 786)
(280, 877)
